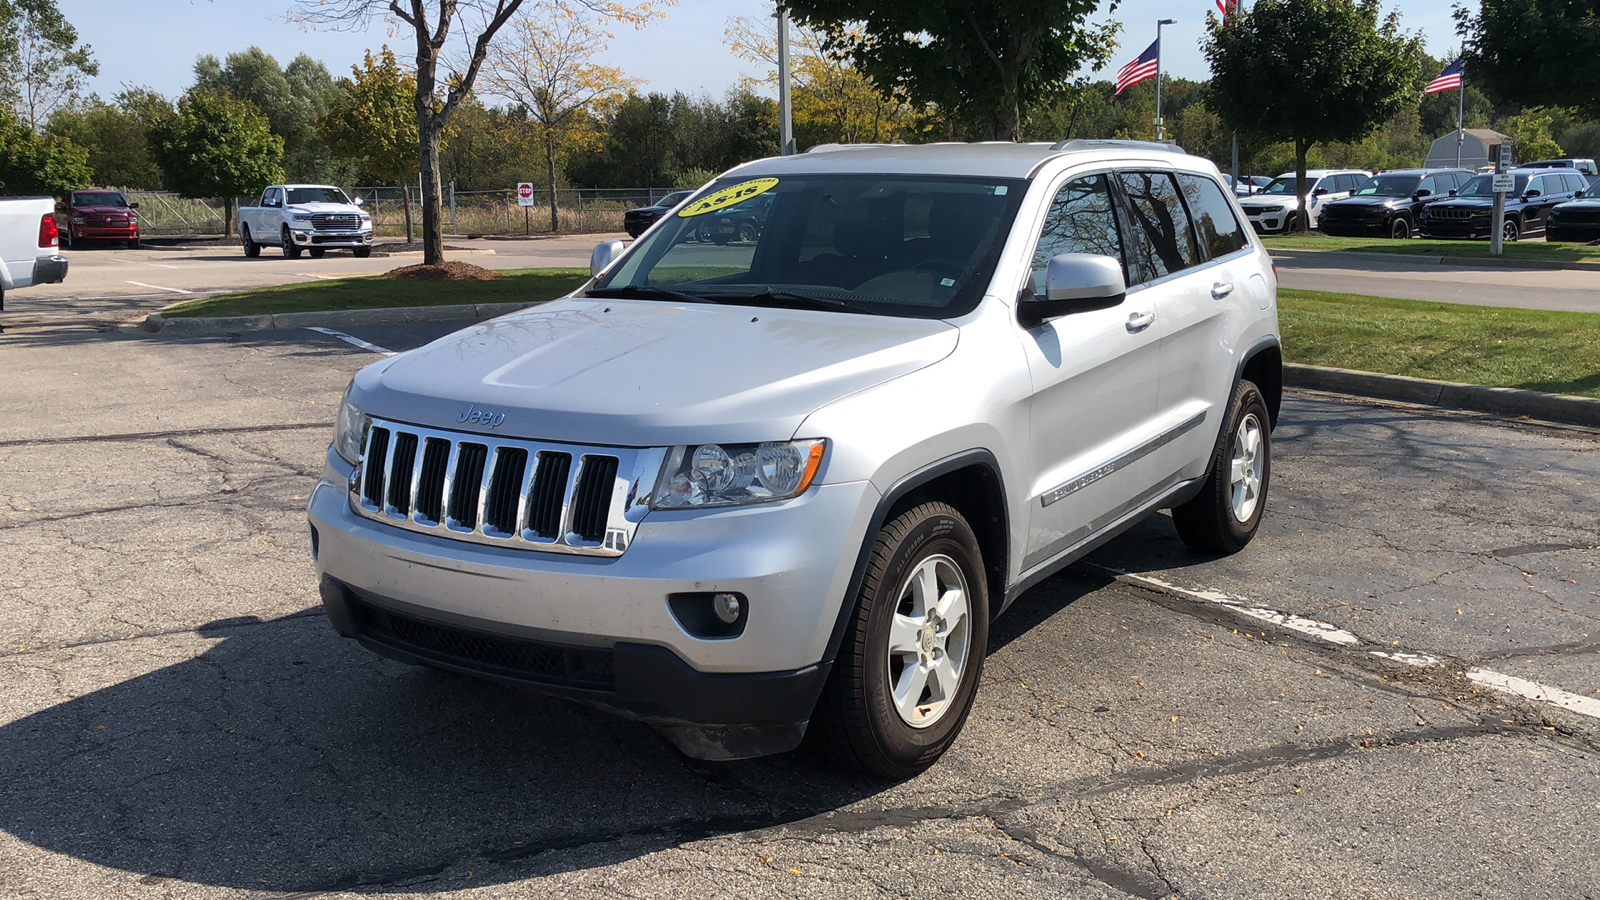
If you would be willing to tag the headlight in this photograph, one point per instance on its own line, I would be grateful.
(349, 430)
(77, 220)
(736, 474)
(301, 217)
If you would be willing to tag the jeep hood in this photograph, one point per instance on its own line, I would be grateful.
(649, 373)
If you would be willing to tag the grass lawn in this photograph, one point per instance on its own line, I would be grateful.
(379, 293)
(1557, 352)
(1419, 247)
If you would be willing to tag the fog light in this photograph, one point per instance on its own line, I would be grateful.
(727, 607)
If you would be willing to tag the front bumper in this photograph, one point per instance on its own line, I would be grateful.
(1457, 228)
(600, 630)
(332, 239)
(1353, 227)
(49, 270)
(105, 232)
(1269, 222)
(1572, 233)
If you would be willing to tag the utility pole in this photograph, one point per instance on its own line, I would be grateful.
(1159, 23)
(785, 107)
(1461, 112)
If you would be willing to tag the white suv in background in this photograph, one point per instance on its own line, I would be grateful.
(738, 491)
(1269, 208)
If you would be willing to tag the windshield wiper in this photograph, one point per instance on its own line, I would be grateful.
(791, 299)
(645, 292)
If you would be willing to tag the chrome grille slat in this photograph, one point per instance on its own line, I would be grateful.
(335, 221)
(506, 492)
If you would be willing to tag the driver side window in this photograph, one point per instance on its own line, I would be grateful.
(1082, 219)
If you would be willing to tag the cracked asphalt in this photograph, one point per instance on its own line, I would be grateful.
(178, 720)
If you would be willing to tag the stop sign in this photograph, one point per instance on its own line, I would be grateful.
(525, 193)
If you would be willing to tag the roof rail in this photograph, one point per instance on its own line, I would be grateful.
(829, 148)
(1102, 144)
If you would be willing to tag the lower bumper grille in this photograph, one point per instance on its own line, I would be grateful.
(514, 658)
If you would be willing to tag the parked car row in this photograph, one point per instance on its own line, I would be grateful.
(1389, 204)
(1272, 209)
(1467, 213)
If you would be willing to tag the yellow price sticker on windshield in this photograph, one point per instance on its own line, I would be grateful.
(728, 196)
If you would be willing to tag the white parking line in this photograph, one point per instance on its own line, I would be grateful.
(1509, 684)
(158, 287)
(351, 339)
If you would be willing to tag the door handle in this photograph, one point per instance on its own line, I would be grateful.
(1221, 289)
(1139, 321)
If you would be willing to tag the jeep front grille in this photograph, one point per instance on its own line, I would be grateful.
(531, 495)
(1456, 214)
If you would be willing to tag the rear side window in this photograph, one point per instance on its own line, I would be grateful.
(1163, 238)
(1574, 181)
(1082, 219)
(1215, 225)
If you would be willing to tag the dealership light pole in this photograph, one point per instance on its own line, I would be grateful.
(785, 107)
(1159, 23)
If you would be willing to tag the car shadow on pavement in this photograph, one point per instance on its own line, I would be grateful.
(282, 757)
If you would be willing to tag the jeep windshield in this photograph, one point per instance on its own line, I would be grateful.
(317, 195)
(1280, 187)
(1389, 186)
(1483, 186)
(910, 246)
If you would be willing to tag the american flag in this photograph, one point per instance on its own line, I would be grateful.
(1142, 69)
(1448, 80)
(1227, 8)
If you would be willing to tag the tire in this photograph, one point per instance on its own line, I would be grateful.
(858, 722)
(1224, 516)
(1510, 231)
(363, 252)
(316, 252)
(64, 237)
(290, 251)
(748, 233)
(1400, 229)
(251, 248)
(133, 244)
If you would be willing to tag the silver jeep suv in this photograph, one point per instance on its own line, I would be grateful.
(741, 489)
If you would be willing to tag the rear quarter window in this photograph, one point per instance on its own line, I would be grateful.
(1216, 228)
(1163, 236)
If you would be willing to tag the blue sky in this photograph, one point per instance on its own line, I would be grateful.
(155, 42)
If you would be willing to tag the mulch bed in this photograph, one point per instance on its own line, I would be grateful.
(449, 270)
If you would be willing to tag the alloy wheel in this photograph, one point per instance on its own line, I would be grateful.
(1245, 473)
(929, 641)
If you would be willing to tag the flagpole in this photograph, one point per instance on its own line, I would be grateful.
(1159, 23)
(1461, 114)
(1235, 7)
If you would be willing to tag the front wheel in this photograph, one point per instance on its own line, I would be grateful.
(1400, 230)
(290, 251)
(133, 244)
(1224, 516)
(1510, 231)
(316, 252)
(363, 252)
(912, 656)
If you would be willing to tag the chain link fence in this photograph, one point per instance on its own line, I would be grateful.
(578, 211)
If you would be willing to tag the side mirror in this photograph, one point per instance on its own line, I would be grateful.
(1452, 193)
(1422, 192)
(1579, 195)
(605, 253)
(1530, 195)
(1074, 283)
(133, 205)
(61, 207)
(1319, 192)
(358, 201)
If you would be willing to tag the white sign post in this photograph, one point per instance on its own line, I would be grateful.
(1502, 183)
(525, 200)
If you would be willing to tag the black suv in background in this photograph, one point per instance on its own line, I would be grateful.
(1576, 220)
(1388, 203)
(1468, 213)
(636, 221)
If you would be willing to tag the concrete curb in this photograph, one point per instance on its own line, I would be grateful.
(1419, 259)
(1447, 394)
(341, 318)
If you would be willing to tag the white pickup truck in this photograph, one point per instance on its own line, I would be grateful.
(28, 244)
(310, 217)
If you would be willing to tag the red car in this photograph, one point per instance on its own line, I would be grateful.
(97, 216)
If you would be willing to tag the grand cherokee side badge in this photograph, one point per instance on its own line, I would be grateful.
(476, 416)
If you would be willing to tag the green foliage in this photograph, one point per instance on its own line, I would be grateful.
(292, 99)
(373, 118)
(1531, 134)
(116, 136)
(218, 146)
(1535, 52)
(658, 141)
(39, 164)
(42, 66)
(985, 64)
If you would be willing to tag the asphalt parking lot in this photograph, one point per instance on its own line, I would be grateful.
(1334, 712)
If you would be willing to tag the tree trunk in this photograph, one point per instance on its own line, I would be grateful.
(550, 160)
(432, 226)
(1004, 121)
(227, 216)
(405, 199)
(1302, 220)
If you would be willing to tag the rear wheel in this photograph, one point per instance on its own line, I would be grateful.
(290, 251)
(251, 248)
(747, 233)
(1400, 230)
(1510, 231)
(1224, 516)
(316, 252)
(912, 656)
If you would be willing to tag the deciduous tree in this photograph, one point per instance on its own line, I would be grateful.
(292, 98)
(42, 65)
(373, 121)
(218, 146)
(546, 63)
(985, 63)
(1535, 52)
(1311, 71)
(116, 135)
(33, 163)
